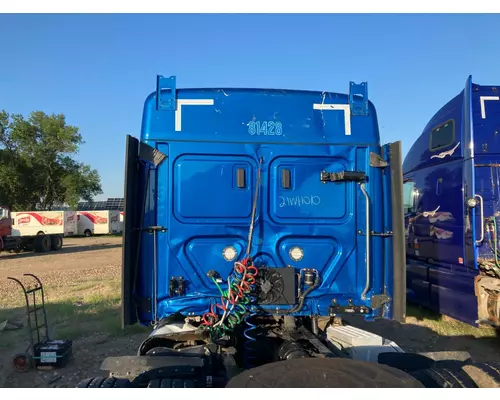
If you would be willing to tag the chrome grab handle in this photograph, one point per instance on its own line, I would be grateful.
(367, 235)
(482, 220)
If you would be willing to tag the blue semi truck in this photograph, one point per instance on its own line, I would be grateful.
(452, 209)
(255, 220)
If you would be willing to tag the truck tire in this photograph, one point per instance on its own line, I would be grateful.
(409, 362)
(103, 383)
(171, 383)
(56, 242)
(323, 373)
(485, 375)
(87, 233)
(444, 378)
(42, 244)
(30, 246)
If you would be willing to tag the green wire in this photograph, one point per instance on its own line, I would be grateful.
(235, 315)
(218, 287)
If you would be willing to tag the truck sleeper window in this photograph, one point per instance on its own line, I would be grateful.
(409, 197)
(443, 135)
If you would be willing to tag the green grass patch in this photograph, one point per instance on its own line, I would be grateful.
(445, 326)
(80, 310)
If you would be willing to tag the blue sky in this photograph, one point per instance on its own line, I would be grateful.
(98, 69)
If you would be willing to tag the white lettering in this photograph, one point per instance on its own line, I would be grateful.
(299, 201)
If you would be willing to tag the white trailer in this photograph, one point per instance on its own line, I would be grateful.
(98, 222)
(32, 223)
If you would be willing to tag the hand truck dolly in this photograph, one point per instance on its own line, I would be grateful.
(42, 351)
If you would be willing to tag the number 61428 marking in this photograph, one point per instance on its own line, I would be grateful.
(266, 128)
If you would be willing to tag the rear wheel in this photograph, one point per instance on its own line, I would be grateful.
(29, 246)
(171, 383)
(444, 378)
(485, 375)
(323, 373)
(87, 233)
(56, 242)
(42, 243)
(102, 383)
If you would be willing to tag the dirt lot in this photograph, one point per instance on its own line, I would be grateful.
(82, 283)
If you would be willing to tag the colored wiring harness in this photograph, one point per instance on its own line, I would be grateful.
(235, 301)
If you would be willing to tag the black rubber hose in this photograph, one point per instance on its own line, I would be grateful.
(302, 297)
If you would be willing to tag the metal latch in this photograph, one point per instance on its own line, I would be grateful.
(343, 176)
(358, 98)
(335, 310)
(166, 93)
(151, 229)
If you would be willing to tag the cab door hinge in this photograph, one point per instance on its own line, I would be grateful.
(150, 155)
(143, 303)
(379, 300)
(377, 161)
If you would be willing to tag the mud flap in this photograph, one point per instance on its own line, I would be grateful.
(139, 159)
(487, 291)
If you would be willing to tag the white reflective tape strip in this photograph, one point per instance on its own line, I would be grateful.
(482, 99)
(338, 107)
(188, 102)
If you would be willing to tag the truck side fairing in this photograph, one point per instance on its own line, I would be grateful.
(454, 160)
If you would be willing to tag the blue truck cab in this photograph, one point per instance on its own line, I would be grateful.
(255, 220)
(296, 181)
(452, 206)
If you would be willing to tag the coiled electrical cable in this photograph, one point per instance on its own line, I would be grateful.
(250, 351)
(234, 301)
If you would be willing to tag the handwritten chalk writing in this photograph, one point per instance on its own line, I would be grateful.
(299, 201)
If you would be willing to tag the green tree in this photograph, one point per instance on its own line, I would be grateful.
(37, 170)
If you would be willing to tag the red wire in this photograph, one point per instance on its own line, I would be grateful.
(239, 269)
(247, 279)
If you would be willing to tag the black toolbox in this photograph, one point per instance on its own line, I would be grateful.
(52, 353)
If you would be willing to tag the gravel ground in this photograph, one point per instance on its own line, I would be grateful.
(90, 267)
